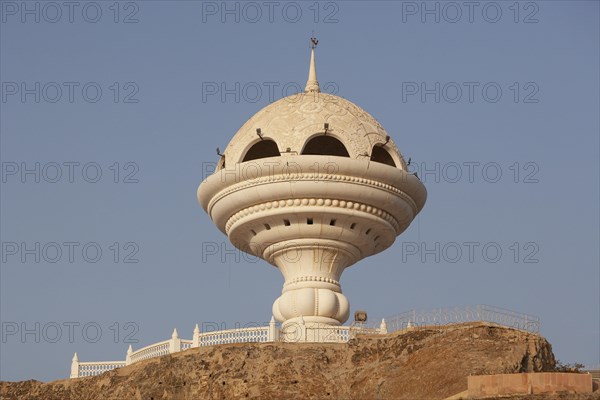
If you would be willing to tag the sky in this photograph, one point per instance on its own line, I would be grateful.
(111, 113)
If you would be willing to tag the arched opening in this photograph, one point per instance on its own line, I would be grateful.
(380, 155)
(325, 146)
(263, 149)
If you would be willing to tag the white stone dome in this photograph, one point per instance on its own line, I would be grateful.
(313, 123)
(293, 121)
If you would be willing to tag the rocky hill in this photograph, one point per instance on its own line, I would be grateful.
(424, 363)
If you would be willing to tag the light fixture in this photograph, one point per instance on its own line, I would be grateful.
(259, 133)
(360, 316)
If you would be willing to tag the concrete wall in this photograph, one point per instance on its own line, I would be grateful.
(545, 382)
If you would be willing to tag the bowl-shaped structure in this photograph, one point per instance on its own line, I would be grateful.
(312, 216)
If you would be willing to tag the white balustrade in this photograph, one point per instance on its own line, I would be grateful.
(301, 332)
(242, 335)
(97, 368)
(154, 350)
(261, 334)
(186, 344)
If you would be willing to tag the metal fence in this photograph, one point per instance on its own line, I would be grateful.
(455, 315)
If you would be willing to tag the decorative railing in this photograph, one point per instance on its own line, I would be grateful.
(323, 333)
(301, 332)
(361, 330)
(97, 368)
(444, 316)
(327, 334)
(243, 335)
(154, 350)
(258, 334)
(186, 344)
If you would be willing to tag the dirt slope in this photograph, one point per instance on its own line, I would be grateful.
(426, 363)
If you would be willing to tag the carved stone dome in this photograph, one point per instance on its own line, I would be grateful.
(313, 123)
(291, 124)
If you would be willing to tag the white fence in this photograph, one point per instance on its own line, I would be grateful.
(301, 332)
(324, 333)
(244, 335)
(259, 334)
(97, 368)
(154, 350)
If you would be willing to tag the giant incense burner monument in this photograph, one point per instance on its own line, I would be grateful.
(312, 184)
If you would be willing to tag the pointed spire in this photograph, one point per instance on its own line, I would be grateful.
(129, 350)
(312, 85)
(196, 330)
(175, 335)
(75, 358)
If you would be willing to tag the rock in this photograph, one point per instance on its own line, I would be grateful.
(423, 363)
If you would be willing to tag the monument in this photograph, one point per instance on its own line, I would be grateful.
(312, 184)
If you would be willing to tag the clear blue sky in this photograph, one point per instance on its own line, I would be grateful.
(541, 133)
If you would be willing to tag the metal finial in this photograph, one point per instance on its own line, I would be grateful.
(312, 85)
